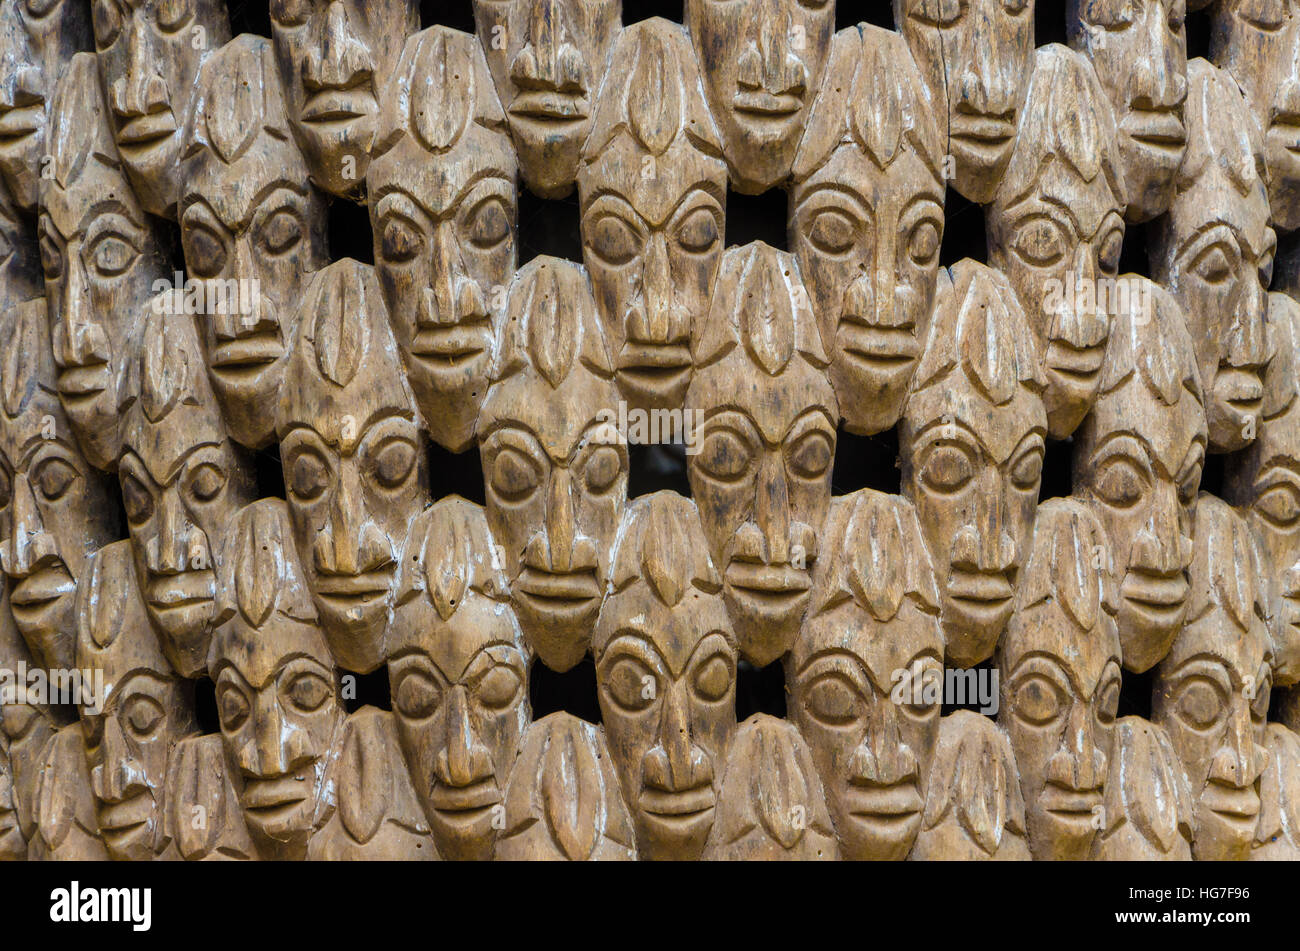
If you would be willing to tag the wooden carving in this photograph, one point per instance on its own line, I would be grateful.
(353, 457)
(1139, 52)
(66, 830)
(1211, 691)
(1060, 680)
(102, 259)
(666, 676)
(554, 467)
(973, 807)
(975, 59)
(54, 508)
(1055, 228)
(1214, 252)
(875, 611)
(866, 221)
(203, 818)
(1149, 810)
(1278, 836)
(335, 58)
(762, 62)
(253, 230)
(761, 472)
(458, 671)
(149, 53)
(652, 187)
(13, 843)
(548, 58)
(971, 445)
(1137, 460)
(563, 802)
(443, 209)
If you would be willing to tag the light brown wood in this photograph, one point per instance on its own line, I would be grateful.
(1149, 809)
(203, 818)
(1278, 836)
(65, 807)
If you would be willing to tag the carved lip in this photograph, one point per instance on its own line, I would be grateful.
(84, 380)
(143, 131)
(654, 364)
(982, 129)
(459, 800)
(1161, 595)
(549, 105)
(255, 350)
(1069, 804)
(122, 818)
(1236, 804)
(1158, 129)
(338, 106)
(677, 804)
(554, 590)
(1240, 388)
(268, 797)
(768, 587)
(1285, 128)
(450, 343)
(361, 587)
(19, 122)
(980, 588)
(1080, 364)
(761, 104)
(38, 589)
(168, 592)
(899, 801)
(876, 347)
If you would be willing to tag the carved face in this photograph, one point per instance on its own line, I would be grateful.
(149, 55)
(975, 57)
(548, 59)
(37, 39)
(335, 56)
(1258, 42)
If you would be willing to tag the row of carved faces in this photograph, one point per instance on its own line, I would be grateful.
(865, 767)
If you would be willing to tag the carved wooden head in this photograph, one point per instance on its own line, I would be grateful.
(875, 613)
(1055, 228)
(253, 230)
(652, 187)
(443, 208)
(102, 259)
(13, 844)
(335, 57)
(1214, 252)
(555, 473)
(666, 676)
(762, 473)
(458, 670)
(150, 52)
(353, 457)
(1211, 691)
(975, 58)
(866, 221)
(971, 445)
(1137, 460)
(199, 777)
(548, 59)
(1149, 810)
(66, 828)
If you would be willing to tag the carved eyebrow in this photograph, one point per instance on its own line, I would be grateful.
(1209, 230)
(106, 207)
(1114, 444)
(483, 174)
(924, 434)
(841, 659)
(1206, 664)
(635, 642)
(250, 209)
(837, 190)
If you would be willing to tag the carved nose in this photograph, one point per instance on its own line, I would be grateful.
(120, 776)
(1247, 345)
(882, 758)
(463, 760)
(988, 83)
(676, 763)
(1238, 761)
(79, 340)
(1077, 763)
(29, 546)
(1160, 547)
(653, 318)
(142, 89)
(177, 539)
(768, 62)
(772, 509)
(453, 296)
(342, 61)
(548, 59)
(1157, 83)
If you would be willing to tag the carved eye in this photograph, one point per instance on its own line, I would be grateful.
(205, 252)
(206, 481)
(613, 240)
(1189, 484)
(834, 700)
(1267, 15)
(724, 456)
(232, 706)
(107, 21)
(418, 696)
(51, 255)
(925, 702)
(402, 240)
(40, 8)
(699, 232)
(136, 500)
(307, 692)
(1279, 505)
(1038, 700)
(832, 231)
(631, 685)
(393, 463)
(498, 687)
(1199, 702)
(1215, 264)
(602, 469)
(281, 232)
(174, 14)
(947, 468)
(514, 475)
(938, 12)
(1040, 242)
(1119, 483)
(142, 715)
(1028, 469)
(489, 223)
(923, 245)
(713, 678)
(111, 255)
(1109, 251)
(811, 455)
(308, 476)
(290, 12)
(53, 477)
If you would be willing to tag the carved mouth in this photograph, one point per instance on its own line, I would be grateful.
(465, 803)
(32, 594)
(20, 122)
(557, 591)
(654, 364)
(768, 587)
(548, 105)
(683, 805)
(121, 819)
(876, 348)
(1076, 364)
(766, 106)
(1160, 597)
(247, 353)
(1235, 805)
(1159, 130)
(143, 131)
(1241, 389)
(884, 805)
(345, 591)
(1070, 805)
(177, 592)
(83, 382)
(983, 595)
(275, 796)
(1284, 130)
(339, 107)
(446, 346)
(985, 134)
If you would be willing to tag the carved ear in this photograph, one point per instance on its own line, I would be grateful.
(874, 560)
(1282, 378)
(992, 334)
(365, 783)
(1228, 550)
(259, 568)
(101, 601)
(828, 118)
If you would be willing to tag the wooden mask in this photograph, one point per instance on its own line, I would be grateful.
(353, 457)
(65, 807)
(182, 479)
(975, 58)
(973, 807)
(762, 62)
(203, 818)
(971, 445)
(548, 58)
(762, 473)
(54, 508)
(866, 221)
(563, 801)
(150, 52)
(555, 474)
(335, 57)
(1139, 52)
(458, 672)
(1059, 670)
(1137, 461)
(277, 688)
(666, 676)
(1149, 808)
(253, 230)
(145, 708)
(875, 611)
(1055, 228)
(444, 209)
(1211, 691)
(102, 257)
(652, 187)
(1278, 836)
(1214, 252)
